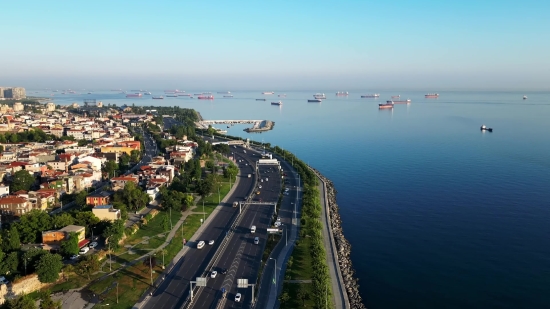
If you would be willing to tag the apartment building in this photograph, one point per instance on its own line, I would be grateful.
(106, 212)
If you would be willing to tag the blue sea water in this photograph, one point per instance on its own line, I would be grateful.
(438, 213)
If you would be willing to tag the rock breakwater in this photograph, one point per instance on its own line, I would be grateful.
(343, 247)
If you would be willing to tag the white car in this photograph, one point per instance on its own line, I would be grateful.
(92, 245)
(238, 297)
(213, 274)
(260, 186)
(211, 242)
(74, 257)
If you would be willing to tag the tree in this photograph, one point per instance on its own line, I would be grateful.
(166, 222)
(9, 264)
(110, 167)
(302, 295)
(87, 219)
(22, 180)
(70, 246)
(47, 302)
(284, 298)
(124, 160)
(62, 220)
(11, 240)
(48, 267)
(31, 257)
(113, 233)
(88, 265)
(31, 225)
(205, 186)
(23, 302)
(135, 155)
(230, 172)
(80, 198)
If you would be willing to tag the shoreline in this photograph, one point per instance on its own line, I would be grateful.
(343, 246)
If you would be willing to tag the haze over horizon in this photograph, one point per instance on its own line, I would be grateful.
(236, 45)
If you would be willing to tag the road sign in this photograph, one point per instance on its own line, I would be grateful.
(242, 283)
(201, 281)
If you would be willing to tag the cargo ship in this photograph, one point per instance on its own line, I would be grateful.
(147, 93)
(315, 101)
(484, 128)
(277, 103)
(171, 91)
(268, 92)
(432, 95)
(134, 95)
(319, 96)
(180, 91)
(227, 96)
(282, 95)
(341, 94)
(184, 95)
(395, 96)
(407, 101)
(171, 95)
(224, 92)
(376, 95)
(158, 98)
(205, 97)
(207, 93)
(386, 105)
(260, 99)
(197, 93)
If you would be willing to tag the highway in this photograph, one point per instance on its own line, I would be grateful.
(173, 291)
(242, 257)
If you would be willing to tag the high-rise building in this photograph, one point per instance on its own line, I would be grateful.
(16, 93)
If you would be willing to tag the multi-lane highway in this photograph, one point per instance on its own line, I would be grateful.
(173, 291)
(242, 257)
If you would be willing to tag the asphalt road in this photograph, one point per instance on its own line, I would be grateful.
(242, 257)
(175, 288)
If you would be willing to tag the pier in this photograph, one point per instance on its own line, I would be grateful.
(257, 125)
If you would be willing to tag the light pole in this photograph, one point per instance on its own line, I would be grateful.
(219, 200)
(170, 221)
(151, 268)
(203, 213)
(110, 261)
(117, 292)
(274, 271)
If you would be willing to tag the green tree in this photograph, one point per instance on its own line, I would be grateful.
(135, 155)
(113, 233)
(88, 265)
(31, 225)
(9, 264)
(1, 148)
(302, 295)
(31, 257)
(48, 267)
(87, 219)
(70, 246)
(80, 198)
(47, 302)
(10, 239)
(62, 220)
(205, 186)
(166, 222)
(110, 167)
(22, 180)
(22, 302)
(124, 161)
(231, 171)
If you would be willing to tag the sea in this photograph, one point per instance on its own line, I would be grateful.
(439, 214)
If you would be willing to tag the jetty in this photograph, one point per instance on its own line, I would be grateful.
(257, 125)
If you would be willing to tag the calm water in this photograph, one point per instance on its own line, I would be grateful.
(439, 214)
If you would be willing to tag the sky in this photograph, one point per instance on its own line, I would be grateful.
(344, 44)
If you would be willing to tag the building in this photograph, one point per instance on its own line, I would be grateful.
(18, 107)
(15, 93)
(100, 198)
(4, 190)
(120, 182)
(54, 238)
(117, 149)
(50, 107)
(13, 206)
(106, 212)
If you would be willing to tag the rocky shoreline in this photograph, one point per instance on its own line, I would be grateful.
(343, 248)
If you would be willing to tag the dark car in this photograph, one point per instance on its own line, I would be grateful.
(223, 271)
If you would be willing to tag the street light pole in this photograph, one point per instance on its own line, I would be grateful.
(117, 292)
(274, 271)
(203, 213)
(110, 267)
(151, 269)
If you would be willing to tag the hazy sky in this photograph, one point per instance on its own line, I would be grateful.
(343, 44)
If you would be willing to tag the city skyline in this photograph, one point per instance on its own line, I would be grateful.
(287, 45)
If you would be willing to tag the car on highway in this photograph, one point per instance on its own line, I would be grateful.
(256, 240)
(223, 271)
(74, 257)
(211, 242)
(213, 274)
(92, 245)
(84, 250)
(238, 297)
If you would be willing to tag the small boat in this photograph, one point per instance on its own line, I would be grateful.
(268, 92)
(282, 96)
(228, 127)
(396, 96)
(342, 94)
(205, 97)
(315, 101)
(431, 95)
(227, 96)
(171, 91)
(277, 103)
(407, 101)
(484, 128)
(222, 92)
(260, 99)
(134, 95)
(319, 96)
(525, 97)
(197, 93)
(388, 104)
(158, 98)
(375, 95)
(147, 93)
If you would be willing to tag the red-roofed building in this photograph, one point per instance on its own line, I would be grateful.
(14, 206)
(120, 182)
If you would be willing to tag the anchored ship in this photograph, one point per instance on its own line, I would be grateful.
(484, 128)
(260, 99)
(268, 92)
(315, 101)
(376, 95)
(277, 103)
(319, 96)
(432, 95)
(282, 96)
(227, 96)
(171, 96)
(158, 98)
(342, 93)
(396, 96)
(407, 101)
(134, 95)
(386, 105)
(205, 97)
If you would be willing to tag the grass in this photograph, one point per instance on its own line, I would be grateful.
(291, 289)
(301, 268)
(153, 228)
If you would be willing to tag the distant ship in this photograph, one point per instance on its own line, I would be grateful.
(222, 92)
(432, 95)
(89, 93)
(315, 101)
(282, 96)
(342, 93)
(395, 96)
(277, 103)
(376, 95)
(180, 91)
(197, 93)
(207, 93)
(227, 96)
(158, 98)
(184, 95)
(484, 128)
(171, 95)
(268, 92)
(171, 91)
(319, 96)
(205, 97)
(407, 101)
(525, 97)
(147, 93)
(260, 99)
(134, 95)
(116, 89)
(139, 90)
(386, 105)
